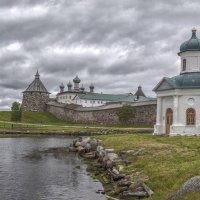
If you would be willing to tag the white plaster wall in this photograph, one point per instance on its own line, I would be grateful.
(66, 98)
(164, 103)
(187, 98)
(192, 61)
(92, 103)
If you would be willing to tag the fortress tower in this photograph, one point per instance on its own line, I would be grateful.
(35, 96)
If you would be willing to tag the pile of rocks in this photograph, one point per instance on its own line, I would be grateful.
(106, 162)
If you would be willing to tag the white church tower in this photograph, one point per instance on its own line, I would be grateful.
(178, 98)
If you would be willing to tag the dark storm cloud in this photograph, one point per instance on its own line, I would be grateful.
(115, 44)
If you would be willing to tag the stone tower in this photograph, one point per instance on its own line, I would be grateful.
(35, 96)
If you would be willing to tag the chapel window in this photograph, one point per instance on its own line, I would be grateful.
(190, 116)
(184, 64)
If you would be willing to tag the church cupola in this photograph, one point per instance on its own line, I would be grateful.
(76, 81)
(69, 85)
(190, 54)
(62, 87)
(82, 88)
(91, 88)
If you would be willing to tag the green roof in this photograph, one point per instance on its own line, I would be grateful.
(103, 97)
(134, 98)
(129, 97)
(189, 80)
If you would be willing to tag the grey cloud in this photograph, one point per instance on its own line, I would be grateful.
(147, 33)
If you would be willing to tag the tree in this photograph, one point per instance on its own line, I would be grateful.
(125, 113)
(16, 113)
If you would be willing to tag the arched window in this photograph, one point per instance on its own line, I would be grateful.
(184, 64)
(190, 116)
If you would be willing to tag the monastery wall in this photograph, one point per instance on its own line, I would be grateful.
(145, 113)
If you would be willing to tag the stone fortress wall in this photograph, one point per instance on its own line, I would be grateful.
(145, 113)
(34, 101)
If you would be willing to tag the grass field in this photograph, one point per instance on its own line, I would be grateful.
(33, 117)
(164, 163)
(46, 121)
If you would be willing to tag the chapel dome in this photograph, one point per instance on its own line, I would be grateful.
(193, 44)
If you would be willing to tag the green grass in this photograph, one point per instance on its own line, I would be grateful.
(37, 120)
(164, 163)
(34, 117)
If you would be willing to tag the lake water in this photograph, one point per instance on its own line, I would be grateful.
(28, 174)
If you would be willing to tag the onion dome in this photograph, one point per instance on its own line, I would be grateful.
(62, 86)
(82, 88)
(91, 86)
(69, 84)
(76, 79)
(193, 44)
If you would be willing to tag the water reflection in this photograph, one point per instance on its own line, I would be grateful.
(46, 175)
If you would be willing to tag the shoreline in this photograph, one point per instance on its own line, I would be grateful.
(73, 133)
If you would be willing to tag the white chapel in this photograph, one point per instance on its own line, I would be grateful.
(178, 98)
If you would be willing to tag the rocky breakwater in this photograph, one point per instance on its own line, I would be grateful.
(107, 166)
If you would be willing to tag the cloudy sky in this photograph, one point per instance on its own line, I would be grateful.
(116, 44)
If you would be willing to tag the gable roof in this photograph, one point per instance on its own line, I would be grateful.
(190, 80)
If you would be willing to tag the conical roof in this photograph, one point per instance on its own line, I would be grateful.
(36, 85)
(139, 92)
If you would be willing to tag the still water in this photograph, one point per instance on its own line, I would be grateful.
(28, 174)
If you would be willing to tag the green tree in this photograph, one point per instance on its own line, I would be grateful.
(125, 113)
(16, 113)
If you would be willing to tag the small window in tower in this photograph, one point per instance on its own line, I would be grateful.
(184, 64)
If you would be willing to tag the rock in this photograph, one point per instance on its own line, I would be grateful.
(88, 147)
(114, 176)
(147, 190)
(112, 156)
(99, 148)
(109, 164)
(115, 171)
(80, 149)
(72, 149)
(94, 144)
(109, 150)
(124, 183)
(90, 155)
(191, 185)
(134, 194)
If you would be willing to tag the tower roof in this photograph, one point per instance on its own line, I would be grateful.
(139, 92)
(91, 86)
(69, 84)
(76, 79)
(82, 87)
(62, 86)
(193, 44)
(36, 85)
